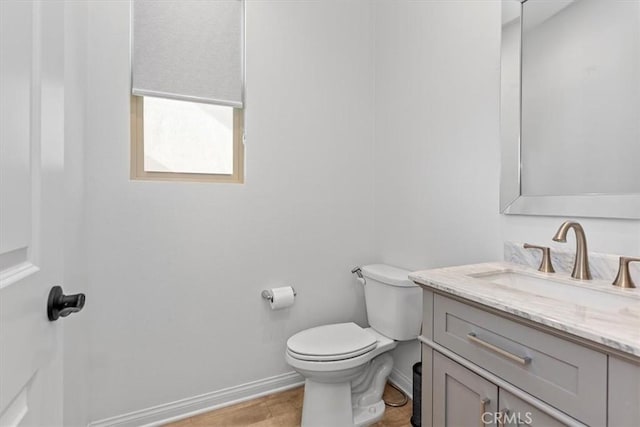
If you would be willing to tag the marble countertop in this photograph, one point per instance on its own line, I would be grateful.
(616, 325)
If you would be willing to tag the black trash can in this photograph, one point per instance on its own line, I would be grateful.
(416, 418)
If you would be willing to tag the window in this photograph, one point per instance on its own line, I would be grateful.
(175, 140)
(187, 87)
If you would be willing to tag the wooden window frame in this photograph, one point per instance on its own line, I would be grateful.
(137, 152)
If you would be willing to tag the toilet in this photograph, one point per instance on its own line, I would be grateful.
(346, 366)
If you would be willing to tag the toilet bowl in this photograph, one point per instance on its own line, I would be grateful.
(346, 366)
(340, 363)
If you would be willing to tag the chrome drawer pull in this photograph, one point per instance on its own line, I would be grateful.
(521, 360)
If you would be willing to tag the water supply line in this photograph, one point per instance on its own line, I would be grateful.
(402, 402)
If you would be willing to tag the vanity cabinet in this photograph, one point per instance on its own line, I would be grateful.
(559, 372)
(477, 361)
(464, 398)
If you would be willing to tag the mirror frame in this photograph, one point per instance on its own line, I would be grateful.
(512, 201)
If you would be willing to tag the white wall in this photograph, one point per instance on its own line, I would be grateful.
(437, 156)
(76, 327)
(436, 137)
(176, 269)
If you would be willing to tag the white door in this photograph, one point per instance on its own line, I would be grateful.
(31, 199)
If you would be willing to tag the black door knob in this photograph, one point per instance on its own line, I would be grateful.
(61, 305)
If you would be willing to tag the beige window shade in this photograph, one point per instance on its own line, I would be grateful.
(192, 50)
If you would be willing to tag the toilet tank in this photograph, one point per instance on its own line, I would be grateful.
(394, 303)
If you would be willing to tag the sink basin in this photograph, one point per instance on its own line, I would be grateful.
(577, 294)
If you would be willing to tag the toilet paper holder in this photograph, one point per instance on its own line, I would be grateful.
(268, 294)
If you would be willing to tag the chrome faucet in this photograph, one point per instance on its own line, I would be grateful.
(581, 265)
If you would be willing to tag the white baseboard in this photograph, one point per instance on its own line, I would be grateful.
(180, 409)
(401, 381)
(173, 411)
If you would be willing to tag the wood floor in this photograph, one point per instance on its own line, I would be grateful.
(284, 409)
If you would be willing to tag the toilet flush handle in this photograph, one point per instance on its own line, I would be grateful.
(358, 272)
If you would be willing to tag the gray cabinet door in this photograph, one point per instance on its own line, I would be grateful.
(624, 393)
(460, 397)
(515, 412)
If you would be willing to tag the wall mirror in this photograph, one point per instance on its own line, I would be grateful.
(570, 108)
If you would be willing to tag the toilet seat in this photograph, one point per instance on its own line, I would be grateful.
(331, 343)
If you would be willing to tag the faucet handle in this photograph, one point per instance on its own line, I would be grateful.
(623, 279)
(545, 265)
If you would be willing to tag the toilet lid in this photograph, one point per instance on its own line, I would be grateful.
(331, 342)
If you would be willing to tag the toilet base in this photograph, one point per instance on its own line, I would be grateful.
(355, 402)
(365, 416)
(330, 405)
(326, 404)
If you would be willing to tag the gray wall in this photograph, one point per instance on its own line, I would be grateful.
(176, 269)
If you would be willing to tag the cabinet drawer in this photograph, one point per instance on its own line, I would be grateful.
(563, 374)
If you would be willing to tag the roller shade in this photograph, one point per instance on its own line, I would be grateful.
(192, 50)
